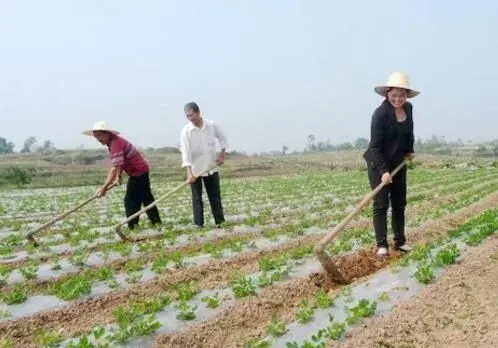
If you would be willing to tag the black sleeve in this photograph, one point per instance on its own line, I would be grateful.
(377, 134)
(412, 136)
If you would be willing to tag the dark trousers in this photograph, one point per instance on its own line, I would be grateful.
(137, 193)
(396, 193)
(212, 183)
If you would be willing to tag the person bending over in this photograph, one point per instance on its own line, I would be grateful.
(125, 157)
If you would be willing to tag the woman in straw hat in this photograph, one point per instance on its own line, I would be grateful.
(391, 141)
(125, 157)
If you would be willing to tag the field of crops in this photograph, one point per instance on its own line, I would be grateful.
(255, 282)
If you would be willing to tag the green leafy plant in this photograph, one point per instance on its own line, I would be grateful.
(333, 331)
(322, 299)
(255, 343)
(363, 309)
(48, 338)
(4, 313)
(6, 343)
(242, 286)
(186, 291)
(29, 271)
(160, 263)
(424, 272)
(211, 301)
(305, 312)
(276, 328)
(187, 311)
(16, 296)
(71, 288)
(447, 255)
(384, 297)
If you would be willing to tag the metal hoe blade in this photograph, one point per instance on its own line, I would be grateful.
(330, 268)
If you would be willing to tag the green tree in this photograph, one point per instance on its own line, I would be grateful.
(47, 147)
(285, 148)
(6, 147)
(310, 145)
(28, 145)
(361, 143)
(18, 175)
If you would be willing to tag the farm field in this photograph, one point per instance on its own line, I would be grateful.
(252, 283)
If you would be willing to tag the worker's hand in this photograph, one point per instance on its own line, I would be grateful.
(386, 178)
(191, 178)
(101, 191)
(220, 159)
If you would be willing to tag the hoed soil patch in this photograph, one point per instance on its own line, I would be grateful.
(460, 309)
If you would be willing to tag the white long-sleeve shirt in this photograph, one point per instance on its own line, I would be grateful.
(198, 146)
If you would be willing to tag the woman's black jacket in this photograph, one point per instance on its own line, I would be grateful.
(389, 141)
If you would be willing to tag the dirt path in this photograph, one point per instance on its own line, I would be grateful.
(460, 309)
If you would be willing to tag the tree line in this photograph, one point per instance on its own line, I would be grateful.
(435, 144)
(30, 145)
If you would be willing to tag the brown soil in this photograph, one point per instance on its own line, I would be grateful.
(230, 329)
(249, 317)
(38, 286)
(81, 316)
(425, 185)
(118, 264)
(457, 310)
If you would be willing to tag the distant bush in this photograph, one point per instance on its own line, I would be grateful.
(443, 151)
(165, 149)
(18, 176)
(61, 160)
(84, 158)
(414, 164)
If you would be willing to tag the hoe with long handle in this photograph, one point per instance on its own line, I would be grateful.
(320, 252)
(117, 227)
(30, 235)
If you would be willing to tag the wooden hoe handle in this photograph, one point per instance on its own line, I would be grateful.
(338, 228)
(117, 227)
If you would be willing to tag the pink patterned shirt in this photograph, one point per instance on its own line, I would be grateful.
(126, 156)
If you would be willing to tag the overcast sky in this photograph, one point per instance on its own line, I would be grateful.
(270, 72)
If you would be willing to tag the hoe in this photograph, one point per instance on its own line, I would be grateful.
(330, 267)
(30, 235)
(117, 227)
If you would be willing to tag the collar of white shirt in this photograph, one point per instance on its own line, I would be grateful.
(191, 126)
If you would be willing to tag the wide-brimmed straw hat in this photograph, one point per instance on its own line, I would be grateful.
(396, 80)
(100, 126)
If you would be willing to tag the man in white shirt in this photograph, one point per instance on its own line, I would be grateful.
(198, 148)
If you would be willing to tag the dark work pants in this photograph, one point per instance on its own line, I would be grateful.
(137, 193)
(212, 183)
(396, 193)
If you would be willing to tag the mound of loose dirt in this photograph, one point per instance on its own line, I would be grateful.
(459, 310)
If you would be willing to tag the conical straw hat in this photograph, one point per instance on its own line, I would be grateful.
(100, 126)
(396, 80)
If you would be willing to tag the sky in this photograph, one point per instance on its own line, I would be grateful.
(268, 72)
